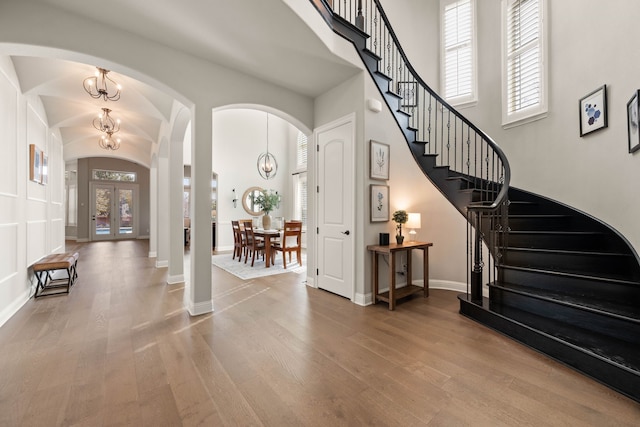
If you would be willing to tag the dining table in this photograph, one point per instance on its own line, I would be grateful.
(267, 235)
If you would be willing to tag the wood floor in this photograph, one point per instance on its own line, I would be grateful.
(121, 350)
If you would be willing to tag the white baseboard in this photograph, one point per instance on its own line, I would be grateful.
(198, 308)
(143, 237)
(367, 299)
(13, 308)
(153, 254)
(83, 240)
(71, 238)
(162, 264)
(363, 299)
(447, 285)
(178, 278)
(224, 248)
(311, 282)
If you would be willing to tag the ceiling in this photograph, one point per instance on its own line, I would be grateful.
(280, 49)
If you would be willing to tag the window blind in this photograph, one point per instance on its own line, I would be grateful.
(301, 151)
(458, 49)
(524, 62)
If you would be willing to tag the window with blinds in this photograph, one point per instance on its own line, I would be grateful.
(524, 60)
(300, 180)
(458, 51)
(301, 152)
(300, 202)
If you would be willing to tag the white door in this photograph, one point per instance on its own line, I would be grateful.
(114, 211)
(335, 202)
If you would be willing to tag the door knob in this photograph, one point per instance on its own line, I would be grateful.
(346, 232)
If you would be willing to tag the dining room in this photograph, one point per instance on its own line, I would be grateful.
(240, 137)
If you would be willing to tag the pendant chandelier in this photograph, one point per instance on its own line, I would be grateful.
(108, 142)
(105, 123)
(267, 163)
(98, 86)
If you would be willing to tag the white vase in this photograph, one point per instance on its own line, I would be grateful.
(266, 222)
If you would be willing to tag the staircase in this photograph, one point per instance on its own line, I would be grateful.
(559, 280)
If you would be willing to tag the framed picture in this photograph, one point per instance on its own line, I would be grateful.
(409, 93)
(593, 111)
(378, 160)
(35, 167)
(379, 203)
(45, 169)
(632, 122)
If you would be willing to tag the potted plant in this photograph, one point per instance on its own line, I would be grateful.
(267, 201)
(400, 217)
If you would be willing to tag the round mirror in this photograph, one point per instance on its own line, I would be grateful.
(247, 201)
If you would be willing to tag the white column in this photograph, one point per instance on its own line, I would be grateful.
(153, 211)
(176, 216)
(198, 293)
(163, 212)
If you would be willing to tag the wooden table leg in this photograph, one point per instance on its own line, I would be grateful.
(409, 275)
(267, 250)
(374, 275)
(425, 273)
(392, 281)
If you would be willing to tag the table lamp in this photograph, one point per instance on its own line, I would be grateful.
(412, 223)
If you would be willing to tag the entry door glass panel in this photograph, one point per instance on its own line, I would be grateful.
(103, 214)
(125, 197)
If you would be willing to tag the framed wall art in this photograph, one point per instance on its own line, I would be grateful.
(35, 164)
(593, 111)
(409, 93)
(379, 203)
(378, 160)
(632, 122)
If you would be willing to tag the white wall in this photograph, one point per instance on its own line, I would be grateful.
(31, 214)
(416, 24)
(591, 44)
(239, 137)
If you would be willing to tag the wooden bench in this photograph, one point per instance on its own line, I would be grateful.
(50, 282)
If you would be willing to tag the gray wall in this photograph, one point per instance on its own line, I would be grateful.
(85, 166)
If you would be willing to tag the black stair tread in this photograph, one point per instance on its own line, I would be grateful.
(615, 280)
(557, 232)
(395, 95)
(568, 252)
(617, 351)
(521, 216)
(383, 75)
(459, 178)
(620, 311)
(371, 53)
(417, 141)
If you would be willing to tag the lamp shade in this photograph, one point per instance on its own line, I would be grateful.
(414, 221)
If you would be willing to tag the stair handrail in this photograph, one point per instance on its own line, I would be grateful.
(352, 12)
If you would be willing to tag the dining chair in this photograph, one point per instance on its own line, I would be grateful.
(291, 242)
(239, 246)
(253, 243)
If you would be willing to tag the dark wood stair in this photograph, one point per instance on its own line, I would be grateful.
(567, 284)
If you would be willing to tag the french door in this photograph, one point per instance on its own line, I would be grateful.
(114, 211)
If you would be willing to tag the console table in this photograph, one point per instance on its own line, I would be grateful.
(393, 294)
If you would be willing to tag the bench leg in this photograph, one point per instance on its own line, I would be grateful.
(46, 282)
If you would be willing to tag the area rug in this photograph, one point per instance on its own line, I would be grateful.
(246, 272)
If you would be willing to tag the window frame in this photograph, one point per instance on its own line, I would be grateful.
(539, 110)
(471, 99)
